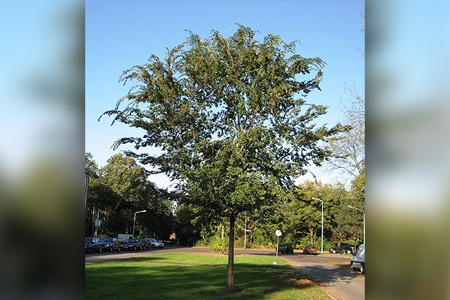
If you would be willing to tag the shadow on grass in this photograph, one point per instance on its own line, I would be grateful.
(144, 278)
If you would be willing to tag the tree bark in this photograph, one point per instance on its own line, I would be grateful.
(230, 282)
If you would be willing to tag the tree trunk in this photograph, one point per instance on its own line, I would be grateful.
(230, 283)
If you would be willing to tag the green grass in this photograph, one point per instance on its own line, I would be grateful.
(180, 275)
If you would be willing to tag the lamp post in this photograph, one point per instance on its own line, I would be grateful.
(278, 233)
(364, 220)
(134, 221)
(245, 234)
(246, 231)
(315, 180)
(321, 248)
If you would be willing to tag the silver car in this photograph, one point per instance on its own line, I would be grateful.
(156, 244)
(358, 261)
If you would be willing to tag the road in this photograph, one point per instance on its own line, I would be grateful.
(330, 271)
(96, 257)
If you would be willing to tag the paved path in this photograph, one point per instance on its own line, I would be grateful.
(332, 273)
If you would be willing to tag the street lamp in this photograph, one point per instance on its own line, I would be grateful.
(321, 249)
(245, 234)
(134, 221)
(278, 233)
(364, 220)
(315, 180)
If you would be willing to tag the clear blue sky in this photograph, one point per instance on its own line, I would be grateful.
(121, 34)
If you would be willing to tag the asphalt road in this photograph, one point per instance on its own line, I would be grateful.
(330, 271)
(104, 256)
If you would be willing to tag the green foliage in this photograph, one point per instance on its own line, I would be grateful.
(218, 244)
(302, 216)
(118, 190)
(230, 119)
(187, 230)
(355, 220)
(90, 166)
(201, 243)
(124, 177)
(226, 114)
(327, 244)
(303, 242)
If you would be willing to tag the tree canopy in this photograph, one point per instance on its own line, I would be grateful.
(230, 120)
(121, 188)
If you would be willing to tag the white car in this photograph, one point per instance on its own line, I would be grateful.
(156, 244)
(358, 261)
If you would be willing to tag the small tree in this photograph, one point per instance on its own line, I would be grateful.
(229, 117)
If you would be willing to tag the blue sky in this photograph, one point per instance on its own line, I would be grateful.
(121, 34)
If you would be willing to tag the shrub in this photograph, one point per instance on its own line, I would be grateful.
(201, 243)
(217, 244)
(327, 244)
(305, 241)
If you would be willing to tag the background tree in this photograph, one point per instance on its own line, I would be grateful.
(100, 196)
(304, 213)
(100, 204)
(90, 166)
(188, 232)
(117, 191)
(334, 196)
(159, 222)
(348, 148)
(302, 216)
(127, 179)
(357, 199)
(229, 117)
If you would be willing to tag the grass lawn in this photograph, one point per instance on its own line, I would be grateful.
(182, 275)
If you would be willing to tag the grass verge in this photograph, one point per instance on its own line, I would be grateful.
(182, 275)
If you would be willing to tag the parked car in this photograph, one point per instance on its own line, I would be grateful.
(110, 245)
(285, 248)
(156, 244)
(131, 245)
(146, 243)
(310, 249)
(358, 261)
(342, 249)
(91, 245)
(124, 236)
